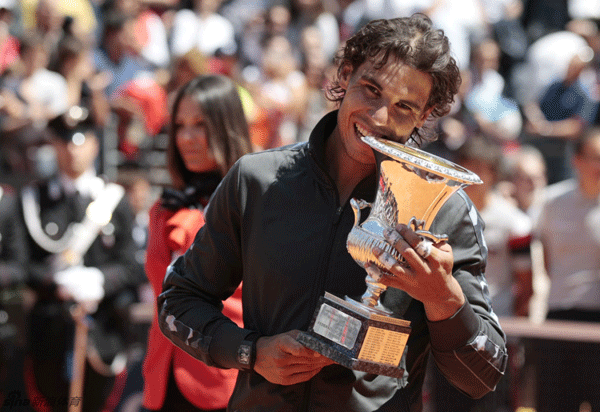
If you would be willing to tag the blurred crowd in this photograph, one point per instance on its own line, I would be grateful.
(529, 68)
(530, 91)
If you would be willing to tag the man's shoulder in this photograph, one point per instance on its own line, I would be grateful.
(560, 192)
(49, 188)
(457, 208)
(273, 160)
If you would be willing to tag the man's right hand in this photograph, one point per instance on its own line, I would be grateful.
(282, 360)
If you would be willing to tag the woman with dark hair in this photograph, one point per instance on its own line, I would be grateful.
(208, 134)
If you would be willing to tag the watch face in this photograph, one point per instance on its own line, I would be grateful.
(244, 354)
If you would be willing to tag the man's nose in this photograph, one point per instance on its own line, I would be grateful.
(380, 114)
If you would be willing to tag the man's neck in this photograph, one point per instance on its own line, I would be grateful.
(346, 172)
(589, 189)
(77, 182)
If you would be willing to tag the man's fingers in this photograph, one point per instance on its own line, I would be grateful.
(292, 378)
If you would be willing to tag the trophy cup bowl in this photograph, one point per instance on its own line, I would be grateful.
(412, 186)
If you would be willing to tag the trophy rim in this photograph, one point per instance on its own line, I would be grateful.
(422, 159)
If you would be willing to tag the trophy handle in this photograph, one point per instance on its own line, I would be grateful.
(357, 205)
(416, 225)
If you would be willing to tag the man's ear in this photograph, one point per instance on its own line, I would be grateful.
(424, 116)
(345, 75)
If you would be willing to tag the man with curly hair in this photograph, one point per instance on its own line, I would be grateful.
(278, 223)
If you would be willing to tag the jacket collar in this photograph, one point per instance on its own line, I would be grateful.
(319, 136)
(366, 189)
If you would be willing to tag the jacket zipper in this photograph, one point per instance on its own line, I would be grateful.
(304, 407)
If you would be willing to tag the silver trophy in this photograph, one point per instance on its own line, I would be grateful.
(412, 186)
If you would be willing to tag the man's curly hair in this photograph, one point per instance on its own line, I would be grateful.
(413, 41)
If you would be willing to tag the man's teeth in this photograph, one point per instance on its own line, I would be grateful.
(364, 132)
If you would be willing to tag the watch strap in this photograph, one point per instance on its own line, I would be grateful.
(246, 355)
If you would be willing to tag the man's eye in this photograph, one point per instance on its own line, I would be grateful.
(372, 90)
(404, 107)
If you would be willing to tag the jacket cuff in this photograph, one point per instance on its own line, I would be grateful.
(225, 346)
(456, 331)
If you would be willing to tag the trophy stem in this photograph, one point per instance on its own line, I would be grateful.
(374, 290)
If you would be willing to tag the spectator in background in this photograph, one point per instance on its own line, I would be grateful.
(208, 134)
(495, 114)
(508, 272)
(9, 44)
(584, 9)
(240, 12)
(85, 86)
(279, 88)
(305, 13)
(527, 182)
(36, 93)
(183, 69)
(543, 17)
(140, 195)
(47, 17)
(569, 372)
(528, 177)
(48, 22)
(507, 229)
(31, 96)
(118, 52)
(505, 20)
(318, 71)
(274, 21)
(546, 60)
(141, 112)
(79, 232)
(463, 21)
(202, 28)
(562, 113)
(149, 33)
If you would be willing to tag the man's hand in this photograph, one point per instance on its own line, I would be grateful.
(282, 360)
(428, 276)
(84, 285)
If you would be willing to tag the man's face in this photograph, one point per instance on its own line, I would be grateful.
(530, 175)
(388, 102)
(78, 155)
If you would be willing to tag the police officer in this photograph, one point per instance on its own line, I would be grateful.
(82, 257)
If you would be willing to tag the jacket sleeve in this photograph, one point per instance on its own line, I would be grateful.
(196, 284)
(470, 347)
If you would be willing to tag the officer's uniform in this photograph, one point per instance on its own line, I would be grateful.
(50, 209)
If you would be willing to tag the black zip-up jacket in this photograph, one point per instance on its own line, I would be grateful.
(276, 224)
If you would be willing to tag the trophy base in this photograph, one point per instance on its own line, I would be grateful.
(357, 337)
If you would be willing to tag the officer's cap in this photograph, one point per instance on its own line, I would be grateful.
(72, 125)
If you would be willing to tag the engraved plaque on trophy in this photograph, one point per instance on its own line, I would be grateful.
(412, 187)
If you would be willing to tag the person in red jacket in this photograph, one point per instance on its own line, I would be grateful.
(208, 134)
